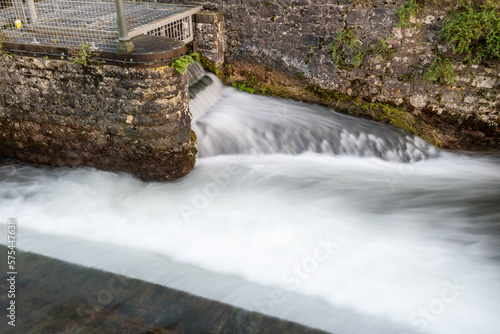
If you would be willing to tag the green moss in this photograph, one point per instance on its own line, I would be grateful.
(357, 60)
(210, 66)
(396, 116)
(474, 31)
(328, 95)
(248, 85)
(401, 118)
(193, 137)
(274, 90)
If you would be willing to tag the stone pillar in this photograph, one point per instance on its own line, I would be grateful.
(115, 117)
(211, 37)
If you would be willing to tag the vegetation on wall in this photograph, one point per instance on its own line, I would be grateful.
(181, 64)
(471, 27)
(82, 55)
(406, 11)
(401, 118)
(382, 48)
(345, 45)
(474, 30)
(396, 116)
(441, 71)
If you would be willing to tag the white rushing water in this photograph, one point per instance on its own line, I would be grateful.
(292, 210)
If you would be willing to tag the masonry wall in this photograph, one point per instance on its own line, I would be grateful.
(292, 36)
(122, 119)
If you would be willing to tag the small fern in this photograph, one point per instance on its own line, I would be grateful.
(182, 63)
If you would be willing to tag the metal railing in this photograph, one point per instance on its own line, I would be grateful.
(100, 24)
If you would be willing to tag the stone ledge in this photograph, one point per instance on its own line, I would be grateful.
(150, 51)
(209, 16)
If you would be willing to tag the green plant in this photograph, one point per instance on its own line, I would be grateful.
(474, 30)
(82, 55)
(382, 48)
(182, 63)
(345, 45)
(441, 70)
(406, 11)
(357, 60)
(244, 87)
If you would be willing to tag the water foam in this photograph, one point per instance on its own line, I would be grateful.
(401, 235)
(241, 123)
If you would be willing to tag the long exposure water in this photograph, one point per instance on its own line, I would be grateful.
(292, 210)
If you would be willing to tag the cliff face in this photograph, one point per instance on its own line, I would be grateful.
(136, 120)
(371, 56)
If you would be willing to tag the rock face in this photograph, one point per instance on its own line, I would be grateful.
(293, 36)
(115, 118)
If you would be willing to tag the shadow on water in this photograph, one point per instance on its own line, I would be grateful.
(58, 297)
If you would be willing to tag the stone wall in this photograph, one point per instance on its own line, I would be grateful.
(211, 39)
(293, 35)
(115, 118)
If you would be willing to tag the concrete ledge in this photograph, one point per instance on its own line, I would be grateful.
(58, 297)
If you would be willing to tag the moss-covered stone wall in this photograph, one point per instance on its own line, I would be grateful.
(115, 118)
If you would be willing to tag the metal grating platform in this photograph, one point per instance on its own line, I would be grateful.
(93, 22)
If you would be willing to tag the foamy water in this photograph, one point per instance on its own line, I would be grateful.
(349, 241)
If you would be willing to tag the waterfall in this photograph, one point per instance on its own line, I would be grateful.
(195, 72)
(241, 123)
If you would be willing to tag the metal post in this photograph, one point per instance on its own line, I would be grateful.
(30, 4)
(124, 43)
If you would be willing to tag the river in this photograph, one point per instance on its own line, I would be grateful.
(292, 210)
